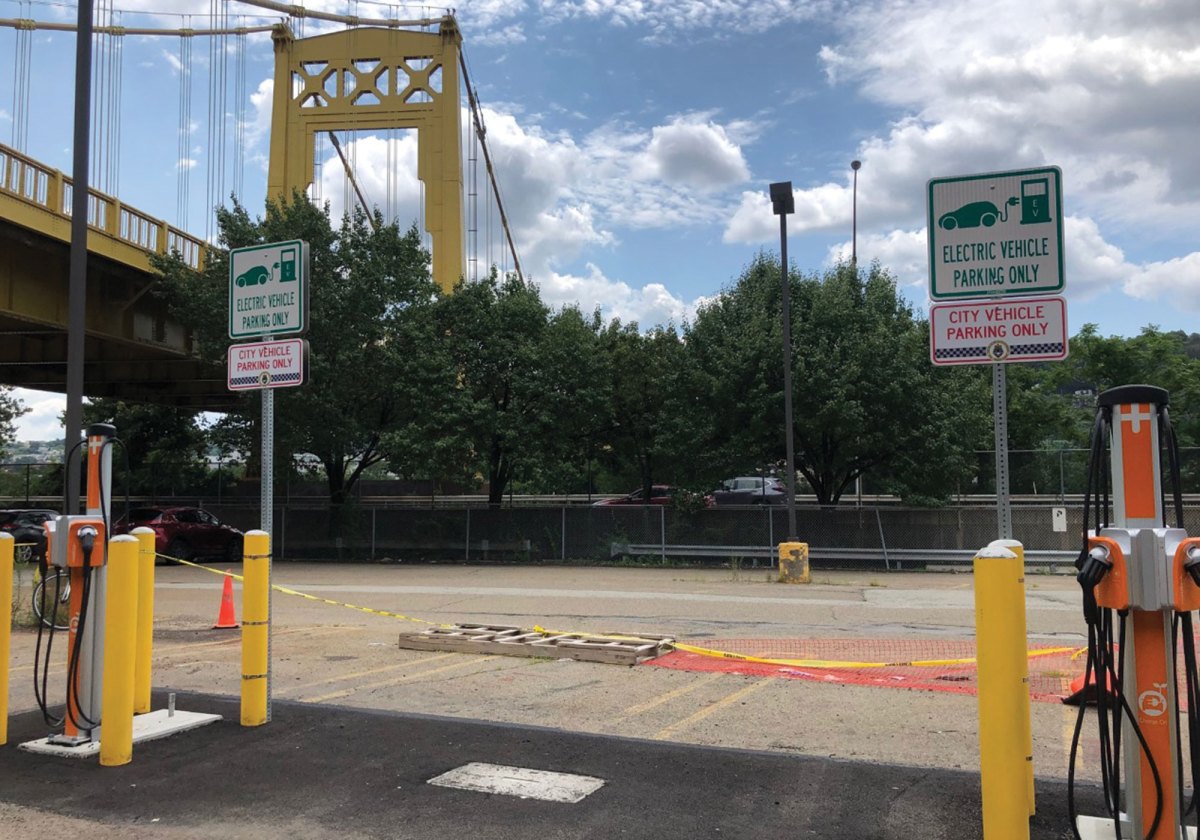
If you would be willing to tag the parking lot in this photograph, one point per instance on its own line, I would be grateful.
(337, 656)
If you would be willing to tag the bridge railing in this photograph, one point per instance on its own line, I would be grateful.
(38, 185)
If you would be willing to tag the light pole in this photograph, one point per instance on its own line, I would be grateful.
(783, 202)
(855, 165)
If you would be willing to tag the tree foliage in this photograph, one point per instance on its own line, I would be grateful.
(11, 409)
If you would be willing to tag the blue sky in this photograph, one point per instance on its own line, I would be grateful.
(635, 139)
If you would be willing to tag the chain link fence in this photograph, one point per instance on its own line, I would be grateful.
(850, 537)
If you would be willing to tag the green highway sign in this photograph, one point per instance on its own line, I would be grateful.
(996, 234)
(268, 290)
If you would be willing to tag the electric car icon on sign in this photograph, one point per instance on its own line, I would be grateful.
(255, 275)
(975, 214)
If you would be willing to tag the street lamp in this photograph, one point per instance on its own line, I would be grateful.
(855, 165)
(783, 202)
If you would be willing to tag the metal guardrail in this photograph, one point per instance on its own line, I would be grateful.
(889, 558)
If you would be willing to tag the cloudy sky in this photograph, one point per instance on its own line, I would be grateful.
(634, 139)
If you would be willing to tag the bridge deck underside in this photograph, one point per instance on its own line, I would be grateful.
(134, 350)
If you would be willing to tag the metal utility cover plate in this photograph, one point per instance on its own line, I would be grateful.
(147, 727)
(519, 781)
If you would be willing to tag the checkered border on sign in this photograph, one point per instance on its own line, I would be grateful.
(962, 353)
(276, 379)
(1055, 347)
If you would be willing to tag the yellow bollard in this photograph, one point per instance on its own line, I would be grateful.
(793, 562)
(256, 628)
(145, 620)
(1020, 628)
(120, 639)
(6, 600)
(1002, 667)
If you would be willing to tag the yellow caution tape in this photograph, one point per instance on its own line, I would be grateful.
(286, 591)
(847, 665)
(719, 654)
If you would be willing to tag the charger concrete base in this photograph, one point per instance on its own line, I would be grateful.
(1101, 828)
(148, 727)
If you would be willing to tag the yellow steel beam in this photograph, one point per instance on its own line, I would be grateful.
(365, 79)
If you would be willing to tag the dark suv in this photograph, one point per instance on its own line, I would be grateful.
(26, 527)
(184, 532)
(751, 490)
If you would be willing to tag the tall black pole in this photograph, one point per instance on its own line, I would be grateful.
(784, 202)
(77, 290)
(787, 376)
(854, 164)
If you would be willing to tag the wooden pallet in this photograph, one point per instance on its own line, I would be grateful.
(614, 648)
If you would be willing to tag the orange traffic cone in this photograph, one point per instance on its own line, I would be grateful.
(226, 620)
(1087, 694)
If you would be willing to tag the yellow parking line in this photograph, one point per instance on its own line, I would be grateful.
(664, 698)
(380, 683)
(670, 731)
(367, 673)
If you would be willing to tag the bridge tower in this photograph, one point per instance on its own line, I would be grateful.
(375, 78)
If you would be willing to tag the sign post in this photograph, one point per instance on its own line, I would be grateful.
(268, 298)
(993, 239)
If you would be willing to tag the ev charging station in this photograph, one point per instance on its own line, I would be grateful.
(1141, 582)
(79, 544)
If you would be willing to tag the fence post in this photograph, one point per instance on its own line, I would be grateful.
(882, 539)
(467, 546)
(662, 531)
(564, 533)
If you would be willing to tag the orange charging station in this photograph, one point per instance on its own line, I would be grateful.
(1142, 571)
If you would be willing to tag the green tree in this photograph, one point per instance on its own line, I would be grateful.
(508, 391)
(867, 400)
(646, 370)
(11, 408)
(165, 445)
(370, 295)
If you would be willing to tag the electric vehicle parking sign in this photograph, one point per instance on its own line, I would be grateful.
(996, 234)
(268, 290)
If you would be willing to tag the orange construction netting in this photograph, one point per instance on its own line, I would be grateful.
(923, 664)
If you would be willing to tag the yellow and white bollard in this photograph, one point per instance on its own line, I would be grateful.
(256, 628)
(120, 640)
(1002, 665)
(6, 591)
(145, 620)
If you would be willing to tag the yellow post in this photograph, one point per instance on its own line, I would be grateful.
(793, 562)
(1020, 628)
(256, 591)
(120, 639)
(145, 620)
(1000, 656)
(6, 592)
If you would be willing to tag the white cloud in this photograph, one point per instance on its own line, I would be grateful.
(664, 19)
(649, 305)
(43, 422)
(185, 163)
(695, 154)
(1176, 282)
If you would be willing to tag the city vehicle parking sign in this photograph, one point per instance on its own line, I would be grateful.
(996, 234)
(268, 290)
(994, 331)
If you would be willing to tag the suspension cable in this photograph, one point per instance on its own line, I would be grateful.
(22, 62)
(481, 131)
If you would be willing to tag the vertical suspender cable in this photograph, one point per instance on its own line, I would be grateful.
(184, 159)
(22, 61)
(239, 115)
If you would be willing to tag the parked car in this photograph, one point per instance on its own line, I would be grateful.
(660, 494)
(751, 490)
(26, 527)
(184, 532)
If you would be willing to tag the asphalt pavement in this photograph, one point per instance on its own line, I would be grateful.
(327, 771)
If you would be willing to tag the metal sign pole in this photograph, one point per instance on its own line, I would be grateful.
(1000, 415)
(267, 502)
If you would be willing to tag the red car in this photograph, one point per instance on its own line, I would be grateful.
(184, 532)
(660, 494)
